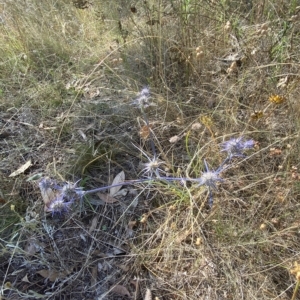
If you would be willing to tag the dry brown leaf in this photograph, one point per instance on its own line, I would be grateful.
(124, 268)
(121, 290)
(121, 193)
(145, 131)
(100, 254)
(118, 179)
(22, 169)
(93, 224)
(148, 295)
(131, 224)
(107, 198)
(53, 275)
(50, 274)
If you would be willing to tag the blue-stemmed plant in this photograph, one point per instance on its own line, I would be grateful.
(59, 198)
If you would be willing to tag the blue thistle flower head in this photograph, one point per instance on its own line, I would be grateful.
(72, 191)
(46, 183)
(209, 177)
(59, 205)
(58, 198)
(145, 92)
(151, 168)
(143, 99)
(236, 146)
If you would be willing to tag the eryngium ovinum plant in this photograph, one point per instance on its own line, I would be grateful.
(59, 198)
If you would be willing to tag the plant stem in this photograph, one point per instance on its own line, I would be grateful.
(296, 290)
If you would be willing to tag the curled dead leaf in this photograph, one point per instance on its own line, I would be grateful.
(145, 131)
(124, 268)
(52, 275)
(121, 290)
(22, 169)
(107, 198)
(130, 226)
(93, 224)
(118, 179)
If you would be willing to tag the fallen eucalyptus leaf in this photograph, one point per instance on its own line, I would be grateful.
(93, 224)
(50, 274)
(118, 179)
(107, 198)
(35, 177)
(22, 169)
(121, 290)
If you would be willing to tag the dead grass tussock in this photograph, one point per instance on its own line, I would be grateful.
(216, 71)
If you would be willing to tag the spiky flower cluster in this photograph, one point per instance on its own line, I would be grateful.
(59, 198)
(59, 205)
(143, 99)
(209, 177)
(236, 146)
(151, 168)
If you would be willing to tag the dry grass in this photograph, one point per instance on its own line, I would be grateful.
(216, 70)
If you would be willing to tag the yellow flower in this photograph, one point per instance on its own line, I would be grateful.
(276, 99)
